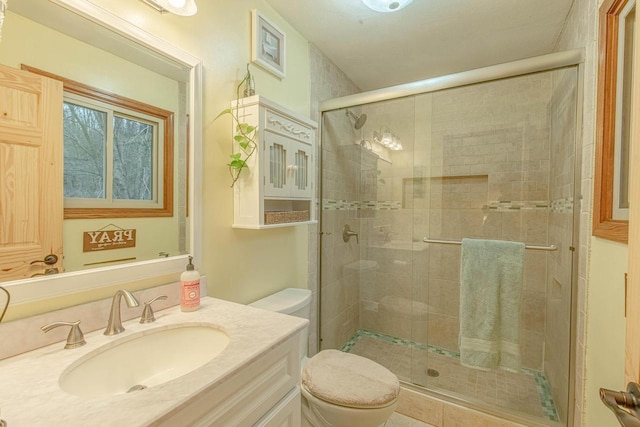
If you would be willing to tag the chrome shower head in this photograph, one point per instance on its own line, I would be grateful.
(359, 120)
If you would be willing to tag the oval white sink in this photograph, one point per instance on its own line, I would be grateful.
(144, 360)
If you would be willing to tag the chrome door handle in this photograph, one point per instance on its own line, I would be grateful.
(347, 234)
(47, 272)
(629, 400)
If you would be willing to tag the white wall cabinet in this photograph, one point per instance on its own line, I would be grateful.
(278, 189)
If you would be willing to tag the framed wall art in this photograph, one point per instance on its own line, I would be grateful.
(268, 45)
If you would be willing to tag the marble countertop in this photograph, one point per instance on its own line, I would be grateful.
(30, 394)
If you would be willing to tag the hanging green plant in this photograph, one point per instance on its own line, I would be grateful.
(245, 134)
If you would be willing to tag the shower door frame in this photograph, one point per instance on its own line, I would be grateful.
(549, 62)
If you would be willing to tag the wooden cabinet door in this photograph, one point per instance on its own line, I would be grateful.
(31, 164)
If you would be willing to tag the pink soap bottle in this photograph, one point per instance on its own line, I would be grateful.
(190, 288)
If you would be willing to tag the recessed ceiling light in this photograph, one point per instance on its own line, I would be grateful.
(386, 5)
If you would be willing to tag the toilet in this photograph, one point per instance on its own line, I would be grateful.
(338, 389)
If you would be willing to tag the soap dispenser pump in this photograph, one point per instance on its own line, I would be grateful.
(190, 288)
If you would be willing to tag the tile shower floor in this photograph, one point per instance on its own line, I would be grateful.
(527, 392)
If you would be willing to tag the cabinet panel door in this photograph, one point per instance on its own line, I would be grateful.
(276, 165)
(302, 170)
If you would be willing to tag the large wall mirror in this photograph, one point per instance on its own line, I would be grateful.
(76, 41)
(613, 121)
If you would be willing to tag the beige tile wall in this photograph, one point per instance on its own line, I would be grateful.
(487, 147)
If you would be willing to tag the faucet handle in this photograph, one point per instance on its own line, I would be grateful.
(75, 338)
(147, 312)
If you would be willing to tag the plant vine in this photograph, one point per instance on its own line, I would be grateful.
(245, 135)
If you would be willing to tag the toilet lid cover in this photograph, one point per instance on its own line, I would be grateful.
(349, 380)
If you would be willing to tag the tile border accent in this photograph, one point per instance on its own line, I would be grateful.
(356, 205)
(513, 205)
(544, 389)
(563, 205)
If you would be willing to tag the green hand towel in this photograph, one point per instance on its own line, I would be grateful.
(491, 273)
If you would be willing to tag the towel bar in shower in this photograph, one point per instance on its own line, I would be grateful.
(457, 242)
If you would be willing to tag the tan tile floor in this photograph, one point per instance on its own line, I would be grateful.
(515, 391)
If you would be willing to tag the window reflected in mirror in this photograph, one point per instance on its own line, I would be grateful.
(623, 103)
(613, 121)
(122, 163)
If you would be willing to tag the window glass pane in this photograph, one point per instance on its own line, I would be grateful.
(84, 151)
(132, 159)
(627, 83)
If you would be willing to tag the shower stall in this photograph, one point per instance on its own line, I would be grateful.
(409, 171)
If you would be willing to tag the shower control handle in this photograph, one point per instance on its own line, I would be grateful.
(347, 234)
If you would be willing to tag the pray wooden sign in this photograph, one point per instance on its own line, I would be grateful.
(102, 239)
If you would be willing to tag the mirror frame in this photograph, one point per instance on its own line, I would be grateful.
(47, 287)
(604, 225)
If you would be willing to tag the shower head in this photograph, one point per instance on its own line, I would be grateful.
(360, 120)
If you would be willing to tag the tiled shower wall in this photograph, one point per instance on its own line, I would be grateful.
(479, 169)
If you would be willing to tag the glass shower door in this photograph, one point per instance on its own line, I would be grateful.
(493, 160)
(498, 164)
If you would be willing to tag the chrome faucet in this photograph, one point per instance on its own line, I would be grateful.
(115, 321)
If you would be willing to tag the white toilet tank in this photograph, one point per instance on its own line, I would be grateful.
(291, 301)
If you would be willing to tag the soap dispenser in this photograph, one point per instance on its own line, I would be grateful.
(190, 288)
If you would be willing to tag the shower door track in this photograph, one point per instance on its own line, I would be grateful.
(536, 64)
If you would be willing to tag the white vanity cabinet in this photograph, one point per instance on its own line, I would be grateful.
(278, 188)
(264, 393)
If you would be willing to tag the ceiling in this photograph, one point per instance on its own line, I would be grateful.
(428, 38)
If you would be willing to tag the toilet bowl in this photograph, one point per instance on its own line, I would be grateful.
(338, 389)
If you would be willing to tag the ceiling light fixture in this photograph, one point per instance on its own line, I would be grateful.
(386, 5)
(387, 139)
(178, 7)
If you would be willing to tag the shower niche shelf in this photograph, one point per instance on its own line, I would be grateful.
(278, 188)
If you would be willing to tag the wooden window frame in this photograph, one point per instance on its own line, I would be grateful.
(166, 116)
(604, 225)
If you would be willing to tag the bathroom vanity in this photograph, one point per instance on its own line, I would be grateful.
(253, 380)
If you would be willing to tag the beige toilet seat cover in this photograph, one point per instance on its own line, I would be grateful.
(349, 380)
